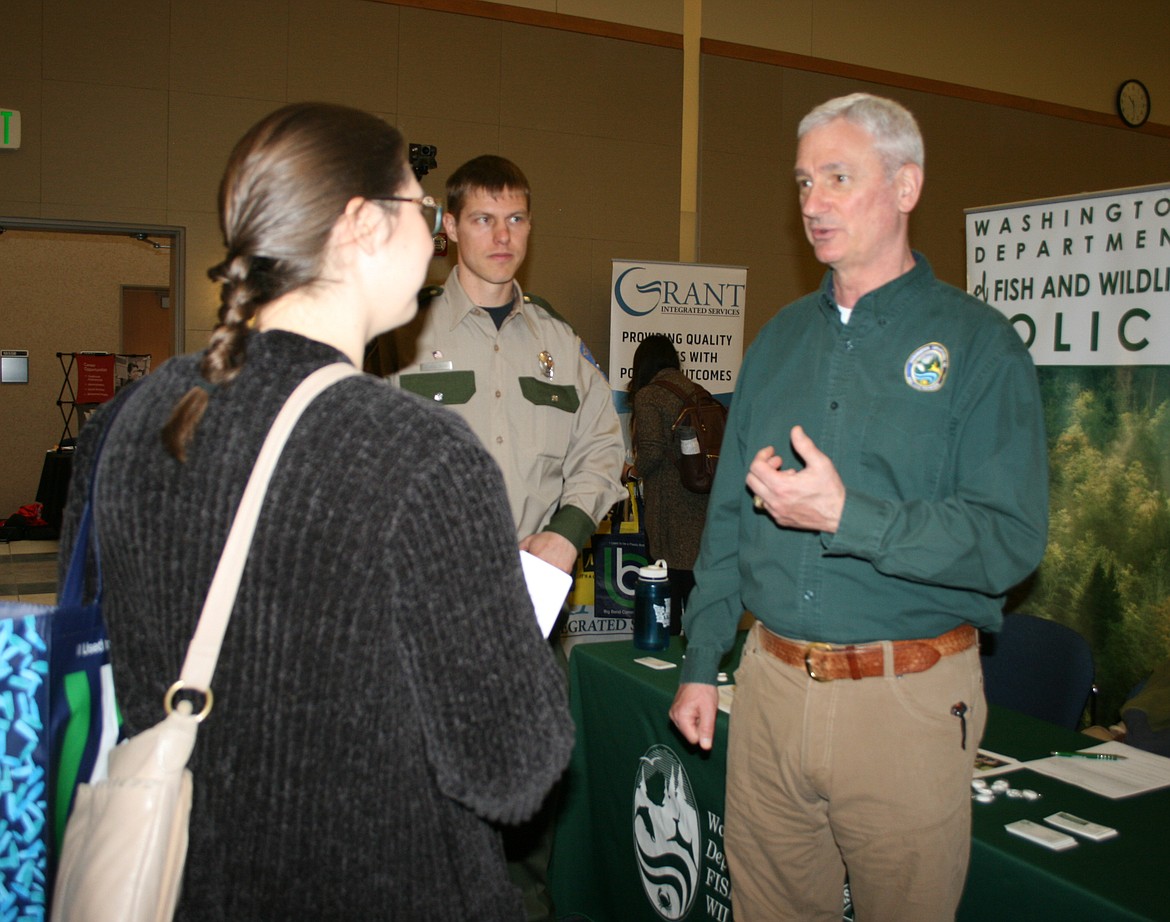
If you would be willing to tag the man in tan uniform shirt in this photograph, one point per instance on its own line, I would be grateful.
(514, 370)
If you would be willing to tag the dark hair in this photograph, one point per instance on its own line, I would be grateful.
(653, 354)
(488, 173)
(287, 182)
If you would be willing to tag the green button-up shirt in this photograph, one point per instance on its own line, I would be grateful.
(928, 405)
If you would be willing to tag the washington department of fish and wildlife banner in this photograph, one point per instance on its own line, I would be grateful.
(1085, 281)
(699, 307)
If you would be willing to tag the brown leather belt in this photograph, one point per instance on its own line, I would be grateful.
(826, 662)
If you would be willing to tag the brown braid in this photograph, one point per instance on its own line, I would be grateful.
(225, 351)
(287, 182)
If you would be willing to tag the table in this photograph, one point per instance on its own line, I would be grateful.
(642, 816)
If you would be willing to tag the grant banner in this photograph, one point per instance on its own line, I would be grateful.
(1085, 280)
(699, 307)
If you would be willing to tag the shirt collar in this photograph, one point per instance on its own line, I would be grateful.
(886, 301)
(462, 305)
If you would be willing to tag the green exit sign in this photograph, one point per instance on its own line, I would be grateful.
(9, 128)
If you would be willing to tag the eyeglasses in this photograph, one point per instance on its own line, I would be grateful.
(432, 210)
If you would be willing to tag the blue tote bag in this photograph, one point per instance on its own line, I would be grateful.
(59, 721)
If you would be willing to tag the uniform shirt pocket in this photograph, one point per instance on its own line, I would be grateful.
(446, 387)
(558, 396)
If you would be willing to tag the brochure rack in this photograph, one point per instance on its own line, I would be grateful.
(67, 402)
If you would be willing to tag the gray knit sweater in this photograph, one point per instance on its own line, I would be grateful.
(383, 695)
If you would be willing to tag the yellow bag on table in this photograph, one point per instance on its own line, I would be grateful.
(601, 601)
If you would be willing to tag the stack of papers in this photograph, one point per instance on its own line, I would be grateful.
(1136, 772)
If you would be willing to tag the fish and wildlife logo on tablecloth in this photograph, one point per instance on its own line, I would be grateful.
(668, 841)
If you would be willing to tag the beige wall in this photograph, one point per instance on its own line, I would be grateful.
(130, 108)
(61, 293)
(1072, 52)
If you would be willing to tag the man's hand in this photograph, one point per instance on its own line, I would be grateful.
(693, 712)
(552, 548)
(810, 499)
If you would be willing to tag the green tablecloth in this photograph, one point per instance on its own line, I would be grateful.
(642, 818)
(1123, 878)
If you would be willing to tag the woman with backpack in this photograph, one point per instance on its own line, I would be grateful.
(674, 515)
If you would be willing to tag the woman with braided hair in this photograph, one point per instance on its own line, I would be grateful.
(384, 699)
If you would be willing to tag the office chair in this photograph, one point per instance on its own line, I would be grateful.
(1038, 667)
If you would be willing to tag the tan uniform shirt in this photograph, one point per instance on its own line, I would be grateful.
(539, 406)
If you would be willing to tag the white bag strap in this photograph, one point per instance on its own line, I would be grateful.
(203, 651)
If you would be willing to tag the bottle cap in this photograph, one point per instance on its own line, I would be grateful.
(656, 570)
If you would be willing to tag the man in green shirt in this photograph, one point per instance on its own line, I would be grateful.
(889, 431)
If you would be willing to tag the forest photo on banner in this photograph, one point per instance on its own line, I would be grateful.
(1085, 280)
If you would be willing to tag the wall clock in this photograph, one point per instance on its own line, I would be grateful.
(1133, 103)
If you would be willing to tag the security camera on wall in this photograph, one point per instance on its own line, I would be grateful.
(422, 159)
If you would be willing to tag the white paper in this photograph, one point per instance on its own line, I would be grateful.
(1138, 772)
(655, 663)
(548, 586)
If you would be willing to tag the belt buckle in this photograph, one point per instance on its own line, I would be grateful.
(808, 667)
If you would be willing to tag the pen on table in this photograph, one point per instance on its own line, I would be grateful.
(1107, 756)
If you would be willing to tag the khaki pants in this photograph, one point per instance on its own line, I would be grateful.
(868, 777)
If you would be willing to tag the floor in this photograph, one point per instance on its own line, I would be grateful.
(28, 571)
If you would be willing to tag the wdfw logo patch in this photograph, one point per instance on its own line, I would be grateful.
(926, 369)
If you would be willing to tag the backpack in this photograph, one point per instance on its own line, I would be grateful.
(706, 417)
